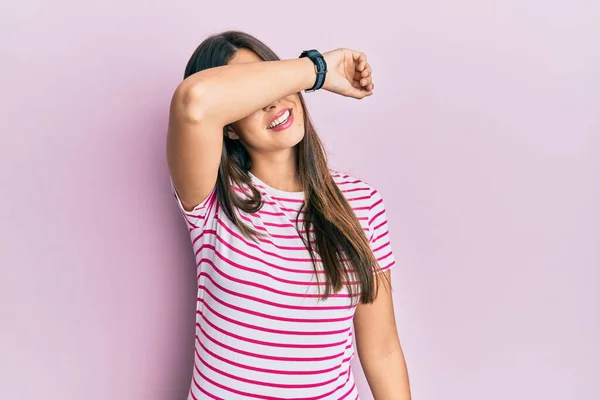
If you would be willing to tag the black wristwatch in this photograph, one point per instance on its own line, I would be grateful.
(320, 68)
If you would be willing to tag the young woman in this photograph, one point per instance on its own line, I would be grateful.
(293, 258)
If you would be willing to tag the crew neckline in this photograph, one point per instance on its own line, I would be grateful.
(277, 192)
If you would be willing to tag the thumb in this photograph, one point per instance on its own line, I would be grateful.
(358, 92)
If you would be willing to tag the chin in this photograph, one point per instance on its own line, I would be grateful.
(297, 136)
(290, 141)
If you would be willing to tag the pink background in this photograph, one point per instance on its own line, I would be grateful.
(483, 136)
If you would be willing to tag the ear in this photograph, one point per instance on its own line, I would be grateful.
(230, 133)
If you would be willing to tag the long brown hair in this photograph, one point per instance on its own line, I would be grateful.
(339, 240)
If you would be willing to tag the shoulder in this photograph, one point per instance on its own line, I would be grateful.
(356, 189)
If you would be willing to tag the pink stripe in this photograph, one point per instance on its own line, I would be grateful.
(272, 317)
(379, 226)
(348, 182)
(189, 213)
(296, 212)
(321, 283)
(391, 264)
(259, 186)
(288, 200)
(268, 288)
(272, 203)
(279, 236)
(380, 236)
(208, 204)
(257, 247)
(212, 396)
(213, 204)
(263, 329)
(265, 370)
(280, 225)
(381, 247)
(265, 193)
(264, 356)
(258, 396)
(234, 249)
(271, 303)
(376, 216)
(272, 213)
(202, 390)
(359, 198)
(186, 215)
(275, 225)
(378, 202)
(261, 272)
(261, 383)
(355, 190)
(384, 257)
(345, 395)
(296, 248)
(239, 190)
(281, 214)
(270, 344)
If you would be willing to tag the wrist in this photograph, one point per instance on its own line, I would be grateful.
(308, 73)
(320, 66)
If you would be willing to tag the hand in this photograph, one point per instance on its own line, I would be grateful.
(348, 73)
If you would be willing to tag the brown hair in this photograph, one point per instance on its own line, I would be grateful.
(339, 240)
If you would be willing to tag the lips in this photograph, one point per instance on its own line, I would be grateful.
(282, 118)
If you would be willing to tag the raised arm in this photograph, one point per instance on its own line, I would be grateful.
(210, 99)
(207, 101)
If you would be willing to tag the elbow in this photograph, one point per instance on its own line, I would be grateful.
(189, 101)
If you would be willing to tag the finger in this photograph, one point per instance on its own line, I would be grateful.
(364, 82)
(360, 61)
(367, 71)
(363, 64)
(360, 85)
(364, 93)
(359, 92)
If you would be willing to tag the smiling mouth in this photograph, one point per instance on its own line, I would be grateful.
(280, 120)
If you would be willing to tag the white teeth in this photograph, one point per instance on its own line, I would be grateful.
(280, 120)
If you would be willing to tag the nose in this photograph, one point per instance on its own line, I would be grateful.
(271, 106)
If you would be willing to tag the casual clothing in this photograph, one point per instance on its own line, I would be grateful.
(262, 331)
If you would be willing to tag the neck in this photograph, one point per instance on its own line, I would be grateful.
(278, 172)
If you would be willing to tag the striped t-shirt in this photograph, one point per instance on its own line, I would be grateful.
(262, 331)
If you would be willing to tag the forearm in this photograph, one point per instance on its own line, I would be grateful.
(228, 93)
(387, 375)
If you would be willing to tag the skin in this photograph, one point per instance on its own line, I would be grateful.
(208, 101)
(378, 346)
(272, 153)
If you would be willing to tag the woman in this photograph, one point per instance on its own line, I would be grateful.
(290, 254)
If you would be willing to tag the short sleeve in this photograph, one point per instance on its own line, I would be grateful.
(380, 233)
(197, 217)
